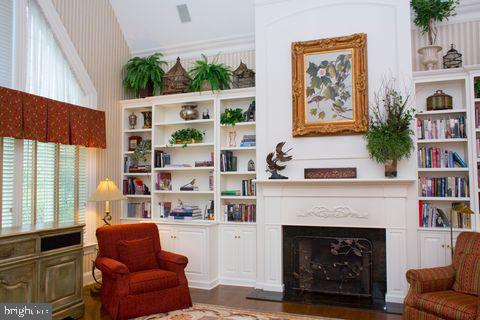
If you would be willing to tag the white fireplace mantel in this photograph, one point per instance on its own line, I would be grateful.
(353, 203)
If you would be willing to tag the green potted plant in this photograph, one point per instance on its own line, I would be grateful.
(427, 14)
(210, 76)
(186, 136)
(389, 137)
(231, 116)
(144, 75)
(142, 151)
(476, 87)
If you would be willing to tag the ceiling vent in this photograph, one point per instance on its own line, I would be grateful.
(183, 13)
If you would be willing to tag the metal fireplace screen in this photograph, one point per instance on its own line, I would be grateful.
(332, 265)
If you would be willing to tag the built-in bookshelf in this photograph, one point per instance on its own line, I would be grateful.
(172, 166)
(445, 145)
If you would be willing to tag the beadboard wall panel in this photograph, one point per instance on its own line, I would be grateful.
(98, 39)
(465, 36)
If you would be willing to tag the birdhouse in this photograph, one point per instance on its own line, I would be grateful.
(176, 80)
(243, 77)
(453, 59)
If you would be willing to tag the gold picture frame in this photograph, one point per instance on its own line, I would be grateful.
(329, 86)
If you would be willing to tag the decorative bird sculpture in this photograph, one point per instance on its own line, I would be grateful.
(273, 159)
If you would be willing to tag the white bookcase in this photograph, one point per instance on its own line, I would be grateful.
(434, 243)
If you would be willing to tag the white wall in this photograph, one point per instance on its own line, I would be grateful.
(277, 25)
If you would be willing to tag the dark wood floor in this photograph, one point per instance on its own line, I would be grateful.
(231, 296)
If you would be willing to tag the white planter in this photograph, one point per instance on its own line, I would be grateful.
(429, 56)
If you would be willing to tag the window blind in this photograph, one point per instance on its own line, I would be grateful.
(66, 183)
(28, 182)
(6, 42)
(8, 163)
(45, 182)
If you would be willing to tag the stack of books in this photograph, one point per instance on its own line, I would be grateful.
(231, 193)
(248, 188)
(139, 210)
(161, 159)
(429, 157)
(186, 212)
(441, 128)
(228, 162)
(133, 186)
(443, 186)
(240, 212)
(128, 167)
(249, 140)
(430, 216)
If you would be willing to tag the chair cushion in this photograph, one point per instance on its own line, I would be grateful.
(151, 280)
(448, 305)
(467, 277)
(137, 254)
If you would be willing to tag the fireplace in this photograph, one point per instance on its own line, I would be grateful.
(332, 263)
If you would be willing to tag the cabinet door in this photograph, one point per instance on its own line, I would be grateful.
(17, 284)
(432, 249)
(166, 237)
(247, 253)
(228, 252)
(191, 242)
(61, 279)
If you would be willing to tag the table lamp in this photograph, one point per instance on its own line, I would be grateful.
(459, 208)
(107, 191)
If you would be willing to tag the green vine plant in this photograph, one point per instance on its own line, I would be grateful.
(231, 116)
(186, 136)
(216, 75)
(142, 151)
(430, 12)
(142, 71)
(389, 136)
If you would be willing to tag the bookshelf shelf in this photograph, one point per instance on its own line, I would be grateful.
(240, 124)
(440, 112)
(141, 196)
(182, 192)
(139, 174)
(184, 169)
(183, 122)
(238, 197)
(190, 145)
(445, 199)
(237, 148)
(239, 173)
(138, 130)
(445, 229)
(453, 140)
(443, 169)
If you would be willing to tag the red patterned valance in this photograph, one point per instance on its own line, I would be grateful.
(27, 116)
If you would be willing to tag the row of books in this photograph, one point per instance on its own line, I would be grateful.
(239, 212)
(477, 115)
(130, 167)
(228, 162)
(249, 188)
(443, 186)
(139, 210)
(134, 186)
(478, 147)
(441, 128)
(248, 140)
(430, 157)
(161, 159)
(430, 216)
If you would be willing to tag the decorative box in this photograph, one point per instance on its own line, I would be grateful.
(439, 101)
(330, 173)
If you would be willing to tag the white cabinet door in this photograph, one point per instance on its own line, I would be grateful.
(166, 237)
(433, 249)
(191, 242)
(228, 252)
(247, 253)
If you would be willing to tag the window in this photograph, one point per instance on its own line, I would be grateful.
(41, 182)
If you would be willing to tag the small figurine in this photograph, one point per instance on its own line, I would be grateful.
(251, 165)
(249, 115)
(189, 186)
(146, 190)
(278, 156)
(132, 121)
(206, 114)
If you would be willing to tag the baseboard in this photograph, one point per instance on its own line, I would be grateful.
(395, 298)
(237, 282)
(206, 285)
(88, 278)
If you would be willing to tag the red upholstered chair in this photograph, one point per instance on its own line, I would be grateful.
(139, 278)
(451, 292)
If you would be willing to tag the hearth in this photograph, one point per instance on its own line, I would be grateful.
(334, 264)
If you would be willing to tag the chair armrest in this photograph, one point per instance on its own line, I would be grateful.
(431, 279)
(111, 267)
(170, 257)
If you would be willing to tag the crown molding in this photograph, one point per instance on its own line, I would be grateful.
(209, 47)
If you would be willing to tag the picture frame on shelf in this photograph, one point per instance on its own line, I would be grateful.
(133, 142)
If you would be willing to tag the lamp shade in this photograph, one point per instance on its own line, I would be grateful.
(106, 191)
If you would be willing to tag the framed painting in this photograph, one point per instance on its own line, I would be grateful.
(329, 86)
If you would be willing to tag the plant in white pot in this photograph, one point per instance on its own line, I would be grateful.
(427, 14)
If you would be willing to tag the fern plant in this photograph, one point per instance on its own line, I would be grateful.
(231, 116)
(186, 136)
(216, 75)
(389, 136)
(429, 12)
(142, 73)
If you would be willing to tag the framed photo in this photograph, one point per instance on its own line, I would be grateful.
(329, 86)
(133, 142)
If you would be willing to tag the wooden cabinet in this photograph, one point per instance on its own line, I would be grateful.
(43, 265)
(435, 248)
(237, 254)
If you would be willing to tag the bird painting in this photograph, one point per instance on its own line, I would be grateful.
(275, 158)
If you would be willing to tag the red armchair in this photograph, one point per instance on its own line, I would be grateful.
(451, 292)
(157, 281)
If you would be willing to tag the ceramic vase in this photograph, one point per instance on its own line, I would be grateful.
(429, 56)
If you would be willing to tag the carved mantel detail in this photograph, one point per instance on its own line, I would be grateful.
(339, 212)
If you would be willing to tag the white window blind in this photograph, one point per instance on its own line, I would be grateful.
(29, 170)
(6, 42)
(66, 183)
(8, 164)
(45, 182)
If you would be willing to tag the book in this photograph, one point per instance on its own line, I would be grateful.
(239, 212)
(165, 208)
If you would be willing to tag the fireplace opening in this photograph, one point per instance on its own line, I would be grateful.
(331, 264)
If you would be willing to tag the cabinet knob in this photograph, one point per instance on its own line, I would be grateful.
(448, 246)
(443, 246)
(235, 237)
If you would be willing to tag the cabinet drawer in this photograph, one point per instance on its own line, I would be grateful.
(17, 249)
(17, 283)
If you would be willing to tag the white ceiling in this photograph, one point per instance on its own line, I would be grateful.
(154, 24)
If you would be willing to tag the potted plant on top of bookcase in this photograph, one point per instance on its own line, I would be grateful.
(427, 14)
(389, 137)
(144, 75)
(210, 76)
